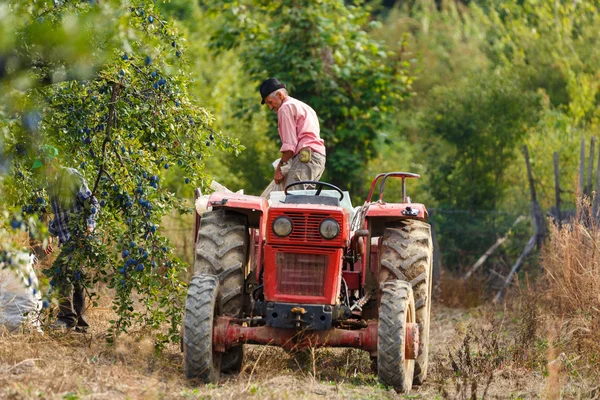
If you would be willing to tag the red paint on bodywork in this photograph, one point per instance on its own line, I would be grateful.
(353, 279)
(396, 209)
(240, 201)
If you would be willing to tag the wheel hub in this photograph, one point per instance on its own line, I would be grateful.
(411, 345)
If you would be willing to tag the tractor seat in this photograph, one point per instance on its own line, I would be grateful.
(308, 199)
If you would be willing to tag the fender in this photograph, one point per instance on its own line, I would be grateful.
(252, 206)
(379, 214)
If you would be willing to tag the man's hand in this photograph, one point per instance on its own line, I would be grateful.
(49, 249)
(279, 176)
(90, 229)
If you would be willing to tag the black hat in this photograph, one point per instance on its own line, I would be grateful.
(269, 86)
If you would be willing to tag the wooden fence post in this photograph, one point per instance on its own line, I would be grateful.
(596, 204)
(557, 188)
(582, 167)
(539, 223)
(539, 227)
(588, 186)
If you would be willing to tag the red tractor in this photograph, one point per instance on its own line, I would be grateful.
(308, 270)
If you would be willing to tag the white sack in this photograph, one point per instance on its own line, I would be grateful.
(201, 203)
(276, 187)
(20, 300)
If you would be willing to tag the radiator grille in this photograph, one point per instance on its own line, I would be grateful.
(301, 274)
(306, 227)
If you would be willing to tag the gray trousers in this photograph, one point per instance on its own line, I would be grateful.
(296, 171)
(300, 171)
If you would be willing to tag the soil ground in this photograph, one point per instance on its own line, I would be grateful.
(71, 366)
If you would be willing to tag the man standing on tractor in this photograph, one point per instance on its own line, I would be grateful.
(68, 193)
(301, 144)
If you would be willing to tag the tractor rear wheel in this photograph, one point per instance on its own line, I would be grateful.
(407, 255)
(222, 250)
(200, 361)
(396, 311)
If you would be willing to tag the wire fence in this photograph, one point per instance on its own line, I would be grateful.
(464, 235)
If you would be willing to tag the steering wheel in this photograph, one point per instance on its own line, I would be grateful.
(319, 186)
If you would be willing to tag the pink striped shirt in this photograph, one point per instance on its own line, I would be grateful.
(298, 127)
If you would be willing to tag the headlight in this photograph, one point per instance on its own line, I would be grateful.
(282, 226)
(329, 228)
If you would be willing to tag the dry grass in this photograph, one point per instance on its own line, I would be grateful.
(549, 327)
(569, 299)
(85, 366)
(571, 261)
(71, 365)
(495, 353)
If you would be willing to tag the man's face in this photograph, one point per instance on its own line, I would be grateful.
(274, 102)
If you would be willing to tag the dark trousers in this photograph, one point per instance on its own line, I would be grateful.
(71, 306)
(71, 302)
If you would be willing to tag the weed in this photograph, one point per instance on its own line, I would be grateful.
(473, 364)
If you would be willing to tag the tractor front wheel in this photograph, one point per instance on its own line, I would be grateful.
(396, 311)
(200, 360)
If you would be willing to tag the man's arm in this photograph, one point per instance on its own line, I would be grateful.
(286, 123)
(49, 248)
(86, 194)
(286, 156)
(91, 219)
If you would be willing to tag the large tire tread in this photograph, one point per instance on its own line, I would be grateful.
(200, 362)
(397, 304)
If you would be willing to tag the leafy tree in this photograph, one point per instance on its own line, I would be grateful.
(223, 86)
(323, 53)
(554, 48)
(130, 120)
(481, 123)
(519, 72)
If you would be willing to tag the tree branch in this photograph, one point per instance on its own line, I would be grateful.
(116, 88)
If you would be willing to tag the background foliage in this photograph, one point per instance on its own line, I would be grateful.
(129, 120)
(323, 53)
